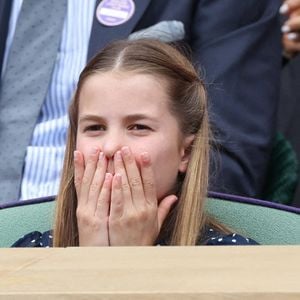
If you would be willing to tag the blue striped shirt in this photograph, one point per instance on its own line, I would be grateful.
(44, 157)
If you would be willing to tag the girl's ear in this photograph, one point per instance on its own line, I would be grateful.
(185, 152)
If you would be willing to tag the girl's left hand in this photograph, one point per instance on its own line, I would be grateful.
(135, 215)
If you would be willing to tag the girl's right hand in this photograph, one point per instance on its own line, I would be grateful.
(93, 188)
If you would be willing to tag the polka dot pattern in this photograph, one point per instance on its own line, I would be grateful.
(38, 239)
(215, 238)
(35, 239)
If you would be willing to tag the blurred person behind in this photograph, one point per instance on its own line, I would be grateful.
(239, 52)
(289, 104)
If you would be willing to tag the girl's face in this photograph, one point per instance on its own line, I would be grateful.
(119, 109)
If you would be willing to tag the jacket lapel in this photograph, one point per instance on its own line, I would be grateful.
(101, 35)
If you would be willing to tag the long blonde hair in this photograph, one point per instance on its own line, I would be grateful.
(186, 223)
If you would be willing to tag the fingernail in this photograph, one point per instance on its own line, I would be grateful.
(292, 36)
(285, 28)
(125, 150)
(145, 157)
(283, 8)
(101, 156)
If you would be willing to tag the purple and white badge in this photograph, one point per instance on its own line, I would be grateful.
(115, 12)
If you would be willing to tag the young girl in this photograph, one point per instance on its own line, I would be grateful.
(136, 164)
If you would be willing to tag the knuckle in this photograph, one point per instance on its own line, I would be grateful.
(103, 222)
(148, 183)
(133, 219)
(86, 220)
(130, 221)
(152, 210)
(103, 201)
(145, 215)
(114, 223)
(94, 187)
(133, 182)
(95, 224)
(85, 179)
(130, 159)
(117, 203)
(125, 186)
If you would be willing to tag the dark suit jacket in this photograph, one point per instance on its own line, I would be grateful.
(237, 44)
(289, 110)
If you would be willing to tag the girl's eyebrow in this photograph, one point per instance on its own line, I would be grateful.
(136, 117)
(128, 118)
(90, 118)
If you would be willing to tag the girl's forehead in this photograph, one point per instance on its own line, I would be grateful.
(127, 78)
(123, 90)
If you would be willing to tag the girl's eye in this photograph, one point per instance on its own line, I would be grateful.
(95, 127)
(139, 127)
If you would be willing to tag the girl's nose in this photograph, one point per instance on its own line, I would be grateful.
(112, 143)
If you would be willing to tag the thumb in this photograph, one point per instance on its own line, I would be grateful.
(164, 208)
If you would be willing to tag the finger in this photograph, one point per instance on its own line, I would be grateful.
(289, 6)
(291, 25)
(91, 163)
(120, 169)
(293, 37)
(164, 208)
(134, 177)
(97, 181)
(103, 203)
(78, 171)
(148, 179)
(291, 47)
(117, 204)
(295, 12)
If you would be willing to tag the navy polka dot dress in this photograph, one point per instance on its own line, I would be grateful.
(212, 238)
(35, 239)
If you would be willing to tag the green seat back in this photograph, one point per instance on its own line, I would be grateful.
(16, 221)
(266, 225)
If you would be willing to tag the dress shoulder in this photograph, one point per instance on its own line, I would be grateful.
(35, 239)
(215, 238)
